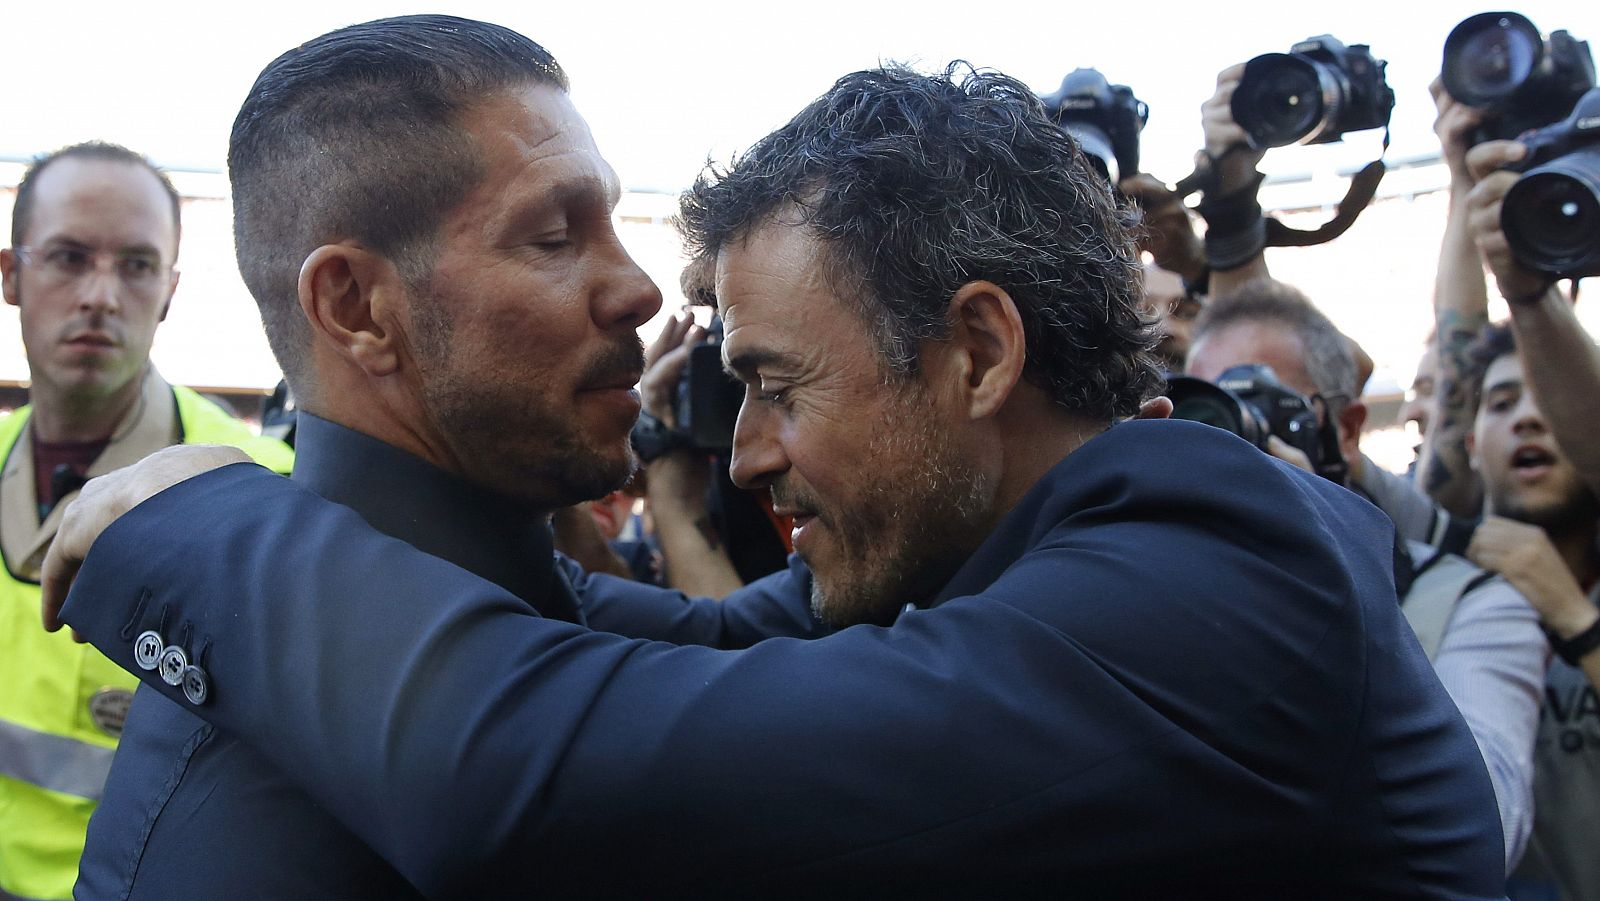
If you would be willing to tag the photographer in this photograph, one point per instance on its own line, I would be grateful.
(1236, 232)
(1540, 378)
(1482, 638)
(695, 557)
(1562, 367)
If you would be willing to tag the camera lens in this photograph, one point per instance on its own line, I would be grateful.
(1284, 99)
(1489, 56)
(1197, 400)
(1096, 146)
(1551, 216)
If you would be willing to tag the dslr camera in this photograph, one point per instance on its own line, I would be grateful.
(705, 405)
(1105, 119)
(1542, 92)
(1313, 94)
(1551, 216)
(1500, 63)
(1249, 401)
(708, 399)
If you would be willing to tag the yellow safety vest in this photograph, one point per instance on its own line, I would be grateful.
(61, 703)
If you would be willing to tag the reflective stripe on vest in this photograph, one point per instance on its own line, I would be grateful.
(55, 762)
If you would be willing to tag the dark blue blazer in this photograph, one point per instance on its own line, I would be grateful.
(191, 812)
(1176, 669)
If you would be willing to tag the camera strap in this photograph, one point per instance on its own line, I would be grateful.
(1363, 187)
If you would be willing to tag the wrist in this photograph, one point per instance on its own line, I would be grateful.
(1525, 291)
(1578, 644)
(1570, 624)
(653, 438)
(1236, 231)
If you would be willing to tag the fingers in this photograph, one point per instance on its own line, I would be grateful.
(55, 580)
(1279, 448)
(1150, 191)
(671, 336)
(1484, 204)
(102, 500)
(658, 385)
(79, 527)
(1155, 408)
(1491, 155)
(1229, 77)
(1496, 536)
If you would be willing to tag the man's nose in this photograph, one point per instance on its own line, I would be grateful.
(631, 299)
(100, 289)
(1528, 421)
(758, 455)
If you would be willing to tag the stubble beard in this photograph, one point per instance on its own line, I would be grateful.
(507, 438)
(1576, 512)
(907, 530)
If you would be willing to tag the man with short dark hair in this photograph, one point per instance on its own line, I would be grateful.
(934, 306)
(94, 239)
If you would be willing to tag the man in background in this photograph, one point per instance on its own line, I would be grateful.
(94, 239)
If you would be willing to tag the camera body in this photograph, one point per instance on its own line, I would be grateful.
(1551, 216)
(1500, 62)
(1313, 94)
(1249, 401)
(1105, 119)
(707, 402)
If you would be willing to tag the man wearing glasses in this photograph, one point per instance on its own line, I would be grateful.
(94, 236)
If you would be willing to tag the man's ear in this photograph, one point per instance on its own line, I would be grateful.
(172, 288)
(989, 346)
(1351, 419)
(8, 277)
(350, 298)
(1470, 439)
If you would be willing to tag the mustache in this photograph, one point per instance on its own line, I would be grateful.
(622, 361)
(787, 497)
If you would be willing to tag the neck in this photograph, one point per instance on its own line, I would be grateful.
(67, 417)
(395, 418)
(1036, 436)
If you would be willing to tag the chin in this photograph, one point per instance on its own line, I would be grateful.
(856, 604)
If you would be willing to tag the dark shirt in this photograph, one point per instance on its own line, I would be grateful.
(60, 468)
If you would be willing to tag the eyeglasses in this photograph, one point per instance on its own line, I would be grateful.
(140, 270)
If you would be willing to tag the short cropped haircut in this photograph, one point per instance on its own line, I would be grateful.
(98, 151)
(354, 135)
(1329, 361)
(917, 184)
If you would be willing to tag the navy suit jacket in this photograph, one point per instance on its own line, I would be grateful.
(1176, 669)
(190, 812)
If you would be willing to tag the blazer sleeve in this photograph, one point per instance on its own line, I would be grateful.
(778, 605)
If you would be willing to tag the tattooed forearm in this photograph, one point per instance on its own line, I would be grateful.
(1445, 470)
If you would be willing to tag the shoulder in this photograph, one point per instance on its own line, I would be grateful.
(11, 424)
(206, 423)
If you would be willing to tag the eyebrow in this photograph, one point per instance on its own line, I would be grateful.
(75, 244)
(742, 363)
(1506, 385)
